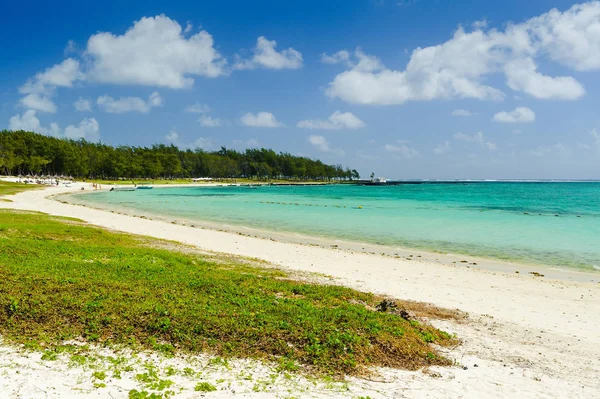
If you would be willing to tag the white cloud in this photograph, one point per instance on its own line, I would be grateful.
(38, 102)
(476, 138)
(461, 112)
(402, 150)
(341, 57)
(460, 67)
(209, 121)
(442, 148)
(88, 128)
(266, 56)
(572, 37)
(197, 108)
(262, 119)
(129, 104)
(522, 76)
(451, 70)
(481, 24)
(518, 115)
(172, 137)
(82, 105)
(322, 145)
(28, 121)
(41, 88)
(155, 100)
(337, 120)
(205, 120)
(153, 52)
(59, 75)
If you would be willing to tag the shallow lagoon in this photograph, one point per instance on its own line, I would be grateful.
(547, 223)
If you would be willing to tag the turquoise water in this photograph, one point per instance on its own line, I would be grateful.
(544, 223)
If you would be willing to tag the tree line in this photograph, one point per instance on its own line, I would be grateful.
(27, 153)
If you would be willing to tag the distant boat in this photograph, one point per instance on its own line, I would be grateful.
(377, 181)
(144, 187)
(122, 189)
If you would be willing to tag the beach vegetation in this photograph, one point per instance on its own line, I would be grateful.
(28, 153)
(205, 387)
(63, 280)
(10, 188)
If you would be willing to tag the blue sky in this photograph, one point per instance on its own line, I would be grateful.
(412, 89)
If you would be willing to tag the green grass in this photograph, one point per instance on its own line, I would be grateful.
(9, 188)
(61, 279)
(205, 387)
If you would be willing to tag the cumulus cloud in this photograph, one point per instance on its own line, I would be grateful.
(262, 119)
(461, 112)
(40, 89)
(265, 56)
(153, 52)
(518, 115)
(341, 57)
(205, 120)
(402, 150)
(522, 75)
(129, 104)
(337, 120)
(39, 103)
(59, 75)
(88, 128)
(172, 137)
(29, 121)
(459, 68)
(83, 105)
(442, 148)
(322, 145)
(571, 37)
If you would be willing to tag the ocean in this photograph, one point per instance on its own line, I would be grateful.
(547, 223)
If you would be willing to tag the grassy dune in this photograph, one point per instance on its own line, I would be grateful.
(61, 279)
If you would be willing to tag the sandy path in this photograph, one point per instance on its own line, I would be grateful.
(530, 337)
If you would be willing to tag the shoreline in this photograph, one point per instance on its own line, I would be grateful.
(529, 337)
(397, 252)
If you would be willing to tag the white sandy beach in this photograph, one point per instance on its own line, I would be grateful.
(530, 337)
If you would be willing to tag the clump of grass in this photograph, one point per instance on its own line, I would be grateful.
(204, 387)
(10, 188)
(62, 280)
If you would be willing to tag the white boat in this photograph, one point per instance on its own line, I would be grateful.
(122, 189)
(377, 181)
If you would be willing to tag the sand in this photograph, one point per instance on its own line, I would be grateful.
(528, 336)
